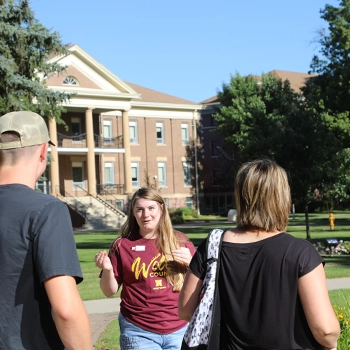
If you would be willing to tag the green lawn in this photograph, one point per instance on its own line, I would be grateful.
(88, 244)
(338, 266)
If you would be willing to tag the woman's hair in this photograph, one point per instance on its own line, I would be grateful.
(166, 237)
(262, 196)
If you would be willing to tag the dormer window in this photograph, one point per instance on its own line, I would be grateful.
(70, 81)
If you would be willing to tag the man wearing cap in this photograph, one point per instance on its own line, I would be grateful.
(40, 307)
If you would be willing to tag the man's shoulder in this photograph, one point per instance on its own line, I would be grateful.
(26, 195)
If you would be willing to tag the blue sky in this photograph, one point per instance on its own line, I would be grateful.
(188, 48)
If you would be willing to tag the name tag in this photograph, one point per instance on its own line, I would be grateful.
(139, 248)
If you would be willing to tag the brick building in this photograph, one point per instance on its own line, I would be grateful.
(120, 137)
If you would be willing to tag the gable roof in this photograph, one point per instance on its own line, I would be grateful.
(149, 95)
(92, 75)
(296, 79)
(95, 81)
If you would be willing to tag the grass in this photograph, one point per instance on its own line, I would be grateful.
(88, 244)
(110, 338)
(337, 266)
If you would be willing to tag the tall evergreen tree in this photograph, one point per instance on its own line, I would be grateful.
(25, 47)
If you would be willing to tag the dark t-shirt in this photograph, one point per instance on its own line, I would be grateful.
(258, 284)
(36, 243)
(147, 299)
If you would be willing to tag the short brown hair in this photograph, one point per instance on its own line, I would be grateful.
(11, 157)
(262, 196)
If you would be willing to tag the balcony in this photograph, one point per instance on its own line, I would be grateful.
(110, 189)
(79, 141)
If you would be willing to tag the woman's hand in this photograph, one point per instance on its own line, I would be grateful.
(102, 261)
(183, 255)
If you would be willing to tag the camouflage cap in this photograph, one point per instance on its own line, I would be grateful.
(31, 128)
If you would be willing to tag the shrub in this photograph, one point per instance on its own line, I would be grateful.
(189, 213)
(176, 216)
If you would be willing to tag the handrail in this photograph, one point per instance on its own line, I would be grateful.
(105, 190)
(84, 190)
(66, 195)
(78, 141)
(110, 189)
(108, 142)
(71, 141)
(103, 201)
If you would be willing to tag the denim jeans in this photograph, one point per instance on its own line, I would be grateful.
(133, 337)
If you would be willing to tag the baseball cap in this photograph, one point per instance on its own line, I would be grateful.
(30, 126)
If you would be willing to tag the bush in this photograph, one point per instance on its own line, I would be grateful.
(176, 216)
(189, 213)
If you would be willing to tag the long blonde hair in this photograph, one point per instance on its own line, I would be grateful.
(166, 239)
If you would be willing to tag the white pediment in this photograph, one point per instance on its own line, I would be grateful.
(91, 76)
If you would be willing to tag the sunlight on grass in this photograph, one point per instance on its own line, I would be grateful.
(109, 339)
(88, 244)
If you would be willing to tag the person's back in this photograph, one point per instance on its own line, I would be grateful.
(259, 281)
(272, 286)
(40, 307)
(28, 255)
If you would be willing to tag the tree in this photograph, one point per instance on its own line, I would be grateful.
(266, 118)
(25, 47)
(328, 94)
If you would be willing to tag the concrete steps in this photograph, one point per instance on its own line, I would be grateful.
(100, 215)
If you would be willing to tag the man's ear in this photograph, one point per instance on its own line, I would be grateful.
(43, 151)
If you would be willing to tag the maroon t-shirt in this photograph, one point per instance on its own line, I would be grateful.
(147, 299)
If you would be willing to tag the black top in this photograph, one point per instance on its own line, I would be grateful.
(258, 284)
(36, 243)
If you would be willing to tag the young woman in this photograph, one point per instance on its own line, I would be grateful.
(272, 286)
(149, 260)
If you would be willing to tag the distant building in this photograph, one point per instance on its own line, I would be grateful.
(122, 136)
(218, 161)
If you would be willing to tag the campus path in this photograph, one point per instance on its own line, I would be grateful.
(103, 311)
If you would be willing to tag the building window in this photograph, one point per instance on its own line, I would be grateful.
(161, 174)
(184, 134)
(109, 173)
(78, 175)
(166, 201)
(133, 131)
(160, 132)
(76, 128)
(135, 174)
(70, 81)
(189, 202)
(119, 204)
(187, 173)
(107, 131)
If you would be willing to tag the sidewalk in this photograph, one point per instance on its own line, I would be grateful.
(102, 312)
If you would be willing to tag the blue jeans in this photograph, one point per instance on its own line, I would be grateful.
(133, 337)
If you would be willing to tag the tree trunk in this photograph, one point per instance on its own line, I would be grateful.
(307, 221)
